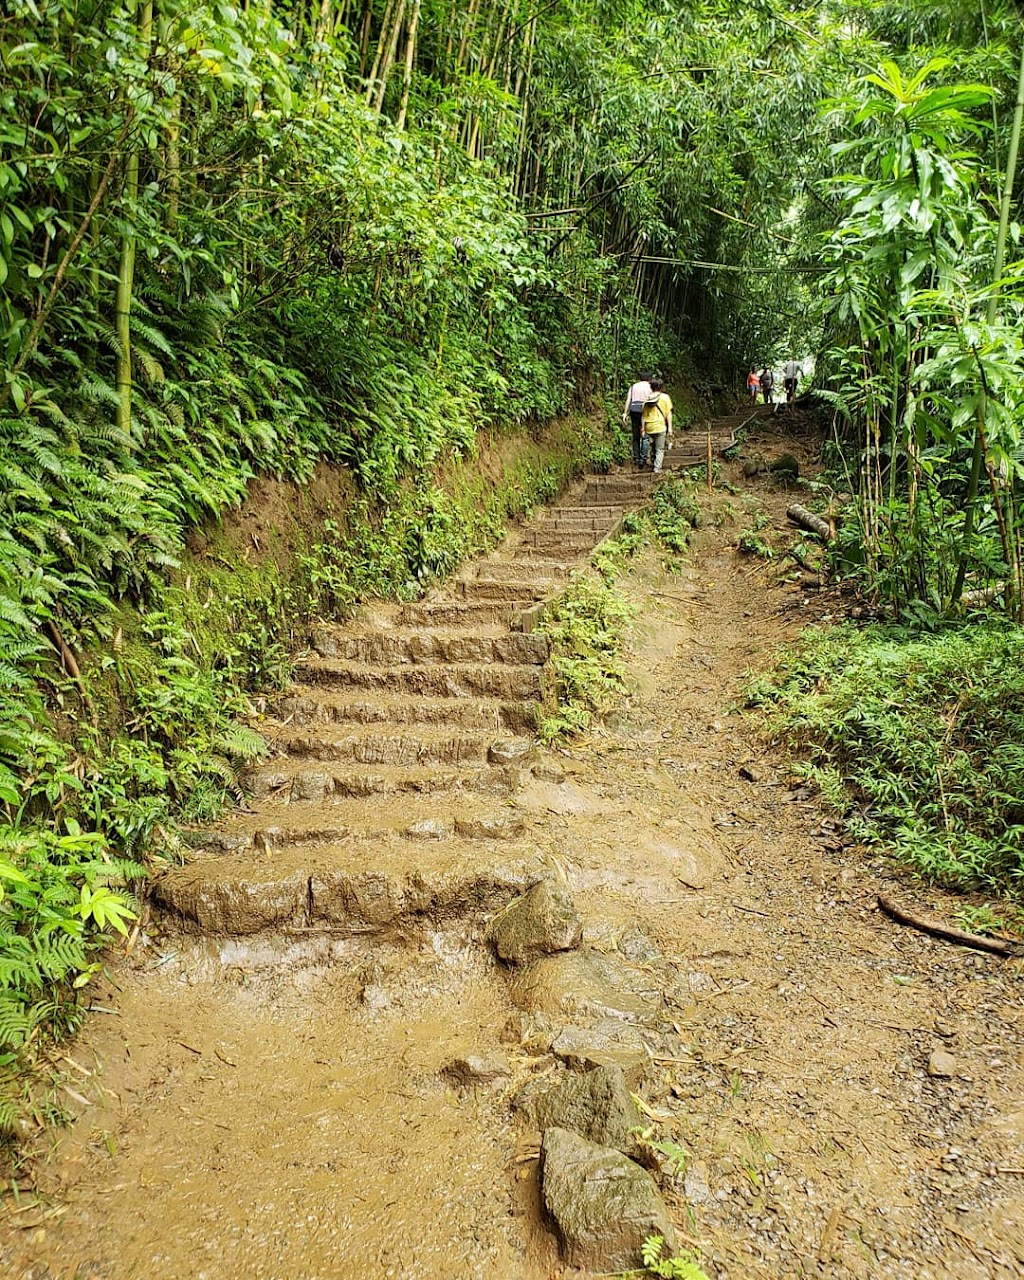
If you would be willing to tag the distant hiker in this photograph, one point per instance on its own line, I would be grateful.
(790, 377)
(636, 401)
(657, 422)
(767, 385)
(753, 384)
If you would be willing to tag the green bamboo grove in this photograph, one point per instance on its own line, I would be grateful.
(245, 240)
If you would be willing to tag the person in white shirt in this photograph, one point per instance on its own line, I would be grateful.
(633, 413)
(791, 376)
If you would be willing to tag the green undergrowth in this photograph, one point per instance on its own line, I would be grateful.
(917, 741)
(587, 630)
(99, 769)
(667, 521)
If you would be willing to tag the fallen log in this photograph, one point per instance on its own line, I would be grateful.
(997, 946)
(808, 520)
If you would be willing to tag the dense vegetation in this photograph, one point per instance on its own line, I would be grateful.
(917, 742)
(242, 241)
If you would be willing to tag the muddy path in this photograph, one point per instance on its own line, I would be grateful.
(279, 1102)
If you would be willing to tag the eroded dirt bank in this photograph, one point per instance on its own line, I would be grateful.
(275, 1106)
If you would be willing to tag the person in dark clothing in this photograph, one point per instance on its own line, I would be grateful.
(767, 385)
(633, 413)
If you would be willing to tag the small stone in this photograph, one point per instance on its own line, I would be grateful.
(262, 782)
(510, 751)
(603, 1204)
(750, 773)
(478, 1069)
(941, 1065)
(429, 829)
(695, 1183)
(548, 771)
(541, 922)
(325, 643)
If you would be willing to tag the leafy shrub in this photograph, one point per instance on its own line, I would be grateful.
(917, 740)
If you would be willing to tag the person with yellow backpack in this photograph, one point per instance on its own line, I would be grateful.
(657, 422)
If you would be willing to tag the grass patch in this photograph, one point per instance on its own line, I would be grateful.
(586, 628)
(917, 740)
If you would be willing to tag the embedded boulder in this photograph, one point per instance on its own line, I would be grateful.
(595, 1104)
(541, 922)
(586, 983)
(604, 1205)
(609, 1042)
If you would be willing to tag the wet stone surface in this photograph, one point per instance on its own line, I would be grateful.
(588, 983)
(596, 1104)
(604, 1205)
(543, 921)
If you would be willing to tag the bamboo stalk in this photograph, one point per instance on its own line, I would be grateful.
(410, 56)
(389, 57)
(977, 453)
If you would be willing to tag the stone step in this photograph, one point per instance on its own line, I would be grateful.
(451, 680)
(384, 647)
(308, 704)
(373, 745)
(333, 887)
(294, 779)
(561, 541)
(460, 613)
(523, 592)
(624, 490)
(597, 525)
(545, 572)
(597, 512)
(419, 818)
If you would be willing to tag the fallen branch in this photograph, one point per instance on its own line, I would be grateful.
(808, 520)
(997, 946)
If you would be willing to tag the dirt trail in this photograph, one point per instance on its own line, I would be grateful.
(267, 1098)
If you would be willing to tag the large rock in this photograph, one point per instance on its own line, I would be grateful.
(539, 923)
(586, 983)
(595, 1104)
(608, 1043)
(604, 1206)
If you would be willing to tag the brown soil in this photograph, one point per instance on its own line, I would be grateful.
(272, 1106)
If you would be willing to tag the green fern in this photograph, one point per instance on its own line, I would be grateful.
(11, 1112)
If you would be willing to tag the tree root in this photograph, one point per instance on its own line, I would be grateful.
(997, 946)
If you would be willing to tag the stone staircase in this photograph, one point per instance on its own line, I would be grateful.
(691, 446)
(397, 753)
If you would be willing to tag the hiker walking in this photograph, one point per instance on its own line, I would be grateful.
(657, 422)
(753, 384)
(791, 376)
(633, 414)
(767, 385)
